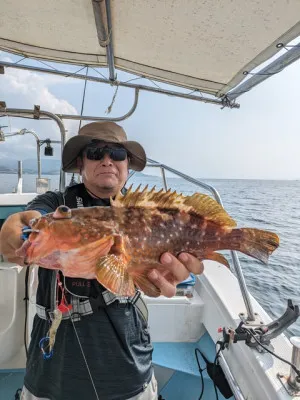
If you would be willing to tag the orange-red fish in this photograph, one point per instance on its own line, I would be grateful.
(118, 245)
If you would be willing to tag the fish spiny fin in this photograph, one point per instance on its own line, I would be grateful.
(112, 273)
(209, 208)
(200, 204)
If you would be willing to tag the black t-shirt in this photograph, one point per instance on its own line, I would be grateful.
(114, 339)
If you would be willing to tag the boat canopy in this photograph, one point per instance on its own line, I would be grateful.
(204, 45)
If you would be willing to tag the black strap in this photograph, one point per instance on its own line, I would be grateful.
(26, 299)
(76, 196)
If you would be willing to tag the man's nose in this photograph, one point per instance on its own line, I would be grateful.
(106, 160)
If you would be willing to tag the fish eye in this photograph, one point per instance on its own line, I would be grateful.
(62, 212)
(64, 209)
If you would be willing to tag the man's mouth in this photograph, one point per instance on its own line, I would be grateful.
(105, 173)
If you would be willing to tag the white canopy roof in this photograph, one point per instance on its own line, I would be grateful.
(198, 44)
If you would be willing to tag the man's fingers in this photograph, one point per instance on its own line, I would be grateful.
(27, 216)
(191, 263)
(166, 288)
(174, 267)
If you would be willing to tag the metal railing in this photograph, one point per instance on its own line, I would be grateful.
(239, 273)
(39, 114)
(236, 390)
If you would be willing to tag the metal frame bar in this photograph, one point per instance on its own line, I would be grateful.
(6, 111)
(274, 68)
(109, 48)
(24, 113)
(236, 390)
(45, 115)
(38, 148)
(214, 192)
(150, 163)
(223, 102)
(115, 119)
(102, 15)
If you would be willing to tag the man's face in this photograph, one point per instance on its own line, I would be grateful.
(107, 174)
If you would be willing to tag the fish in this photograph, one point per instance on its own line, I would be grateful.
(118, 245)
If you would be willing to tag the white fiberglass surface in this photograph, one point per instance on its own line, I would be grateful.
(8, 290)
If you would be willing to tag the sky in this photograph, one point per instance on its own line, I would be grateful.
(260, 140)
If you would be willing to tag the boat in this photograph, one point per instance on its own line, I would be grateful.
(197, 50)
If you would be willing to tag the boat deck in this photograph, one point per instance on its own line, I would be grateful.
(175, 367)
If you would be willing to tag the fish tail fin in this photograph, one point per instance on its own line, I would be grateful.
(256, 243)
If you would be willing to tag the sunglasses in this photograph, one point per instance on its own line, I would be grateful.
(98, 153)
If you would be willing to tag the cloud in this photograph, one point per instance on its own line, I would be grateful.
(24, 89)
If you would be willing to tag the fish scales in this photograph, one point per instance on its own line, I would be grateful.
(118, 245)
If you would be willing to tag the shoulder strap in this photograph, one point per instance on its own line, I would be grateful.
(76, 196)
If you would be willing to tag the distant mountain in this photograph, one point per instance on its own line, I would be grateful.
(49, 166)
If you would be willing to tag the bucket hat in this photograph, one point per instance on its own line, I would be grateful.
(109, 132)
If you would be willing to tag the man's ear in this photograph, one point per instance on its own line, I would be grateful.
(79, 163)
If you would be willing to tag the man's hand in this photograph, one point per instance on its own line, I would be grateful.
(176, 270)
(10, 234)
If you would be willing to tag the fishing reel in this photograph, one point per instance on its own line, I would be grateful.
(256, 336)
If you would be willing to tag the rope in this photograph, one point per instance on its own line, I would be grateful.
(109, 108)
(83, 96)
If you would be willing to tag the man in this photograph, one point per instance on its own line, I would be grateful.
(102, 348)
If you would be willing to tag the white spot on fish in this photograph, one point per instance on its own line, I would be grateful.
(162, 235)
(194, 226)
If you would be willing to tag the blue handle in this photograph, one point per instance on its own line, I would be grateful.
(25, 235)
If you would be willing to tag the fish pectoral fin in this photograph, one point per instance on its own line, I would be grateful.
(111, 272)
(218, 258)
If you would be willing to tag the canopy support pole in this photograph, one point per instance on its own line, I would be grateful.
(102, 15)
(223, 102)
(36, 113)
(239, 273)
(274, 68)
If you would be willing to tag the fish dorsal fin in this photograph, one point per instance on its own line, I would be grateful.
(200, 204)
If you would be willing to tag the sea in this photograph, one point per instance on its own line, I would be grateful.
(266, 204)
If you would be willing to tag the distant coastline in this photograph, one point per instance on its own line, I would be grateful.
(25, 172)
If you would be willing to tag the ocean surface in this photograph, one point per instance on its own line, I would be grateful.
(271, 205)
